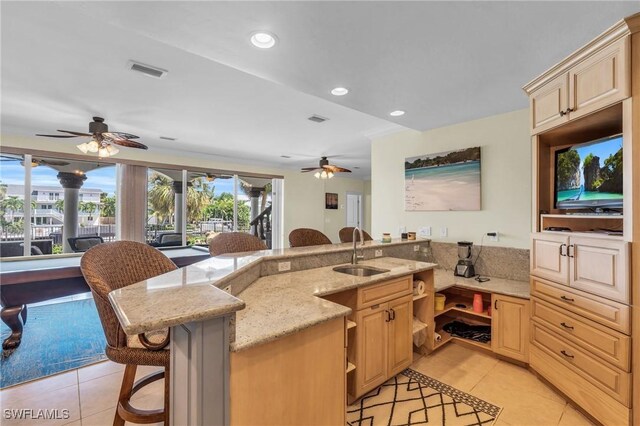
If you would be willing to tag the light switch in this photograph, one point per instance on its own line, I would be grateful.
(444, 232)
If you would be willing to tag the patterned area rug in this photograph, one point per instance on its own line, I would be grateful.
(412, 398)
(56, 338)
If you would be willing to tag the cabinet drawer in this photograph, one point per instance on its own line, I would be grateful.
(383, 292)
(612, 346)
(606, 312)
(596, 402)
(610, 379)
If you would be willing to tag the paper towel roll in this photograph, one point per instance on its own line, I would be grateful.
(418, 287)
(437, 337)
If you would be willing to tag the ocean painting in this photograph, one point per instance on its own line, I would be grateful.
(443, 181)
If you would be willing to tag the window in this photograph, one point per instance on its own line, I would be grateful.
(164, 207)
(12, 191)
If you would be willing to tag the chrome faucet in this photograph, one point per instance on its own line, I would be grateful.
(355, 257)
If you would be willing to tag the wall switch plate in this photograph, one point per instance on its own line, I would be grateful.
(416, 248)
(494, 238)
(378, 253)
(424, 232)
(284, 266)
(227, 289)
(444, 232)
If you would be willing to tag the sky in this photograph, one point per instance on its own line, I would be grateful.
(602, 150)
(104, 178)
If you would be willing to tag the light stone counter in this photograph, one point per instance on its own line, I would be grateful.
(189, 294)
(278, 305)
(445, 279)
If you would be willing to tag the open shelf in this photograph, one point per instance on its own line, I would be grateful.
(418, 326)
(350, 324)
(583, 223)
(453, 300)
(472, 342)
(419, 296)
(350, 367)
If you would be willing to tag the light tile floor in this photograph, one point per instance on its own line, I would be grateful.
(90, 393)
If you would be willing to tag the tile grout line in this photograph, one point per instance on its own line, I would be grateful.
(486, 374)
(78, 388)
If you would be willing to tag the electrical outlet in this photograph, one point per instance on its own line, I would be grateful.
(424, 232)
(416, 248)
(284, 266)
(444, 231)
(494, 236)
(227, 289)
(378, 253)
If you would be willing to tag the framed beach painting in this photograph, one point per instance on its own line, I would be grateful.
(443, 181)
(331, 201)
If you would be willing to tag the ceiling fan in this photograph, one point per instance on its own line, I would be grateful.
(37, 162)
(325, 170)
(102, 140)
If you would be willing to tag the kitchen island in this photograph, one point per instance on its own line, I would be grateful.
(280, 335)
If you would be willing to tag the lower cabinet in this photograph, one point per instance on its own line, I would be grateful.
(383, 339)
(510, 327)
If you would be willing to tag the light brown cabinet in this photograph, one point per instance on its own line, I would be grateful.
(595, 265)
(510, 327)
(383, 343)
(593, 83)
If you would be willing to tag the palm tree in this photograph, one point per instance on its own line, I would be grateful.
(59, 204)
(87, 207)
(107, 205)
(13, 204)
(161, 197)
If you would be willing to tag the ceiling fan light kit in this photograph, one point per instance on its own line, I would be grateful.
(325, 170)
(102, 141)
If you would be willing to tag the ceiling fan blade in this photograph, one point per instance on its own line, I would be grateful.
(309, 169)
(119, 135)
(76, 133)
(58, 136)
(127, 143)
(53, 162)
(336, 169)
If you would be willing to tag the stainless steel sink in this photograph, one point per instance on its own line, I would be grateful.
(359, 270)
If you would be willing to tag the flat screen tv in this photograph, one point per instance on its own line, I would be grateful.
(589, 175)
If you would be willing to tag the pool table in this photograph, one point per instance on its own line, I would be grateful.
(35, 280)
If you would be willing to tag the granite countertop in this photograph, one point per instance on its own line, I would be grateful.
(184, 295)
(278, 305)
(445, 279)
(178, 297)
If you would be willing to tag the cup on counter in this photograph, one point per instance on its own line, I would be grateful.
(411, 236)
(386, 237)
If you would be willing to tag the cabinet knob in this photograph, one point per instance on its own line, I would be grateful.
(569, 110)
(393, 314)
(562, 113)
(567, 299)
(388, 315)
(565, 325)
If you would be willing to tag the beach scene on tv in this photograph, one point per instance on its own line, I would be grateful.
(590, 172)
(443, 181)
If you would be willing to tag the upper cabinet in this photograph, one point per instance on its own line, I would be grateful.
(592, 79)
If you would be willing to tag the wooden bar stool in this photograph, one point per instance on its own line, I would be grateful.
(110, 266)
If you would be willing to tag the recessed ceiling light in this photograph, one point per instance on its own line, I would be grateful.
(396, 113)
(263, 39)
(339, 91)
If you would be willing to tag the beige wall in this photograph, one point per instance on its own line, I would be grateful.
(505, 176)
(367, 205)
(303, 193)
(334, 220)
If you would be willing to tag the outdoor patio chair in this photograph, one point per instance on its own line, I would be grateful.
(346, 235)
(82, 244)
(235, 242)
(303, 237)
(110, 266)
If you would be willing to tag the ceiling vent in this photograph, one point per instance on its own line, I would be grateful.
(147, 69)
(317, 119)
(167, 138)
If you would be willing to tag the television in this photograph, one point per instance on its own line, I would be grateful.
(589, 175)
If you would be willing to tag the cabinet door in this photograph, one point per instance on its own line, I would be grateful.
(549, 103)
(510, 327)
(400, 335)
(549, 257)
(600, 80)
(371, 348)
(600, 267)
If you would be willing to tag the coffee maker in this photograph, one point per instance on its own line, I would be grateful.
(464, 268)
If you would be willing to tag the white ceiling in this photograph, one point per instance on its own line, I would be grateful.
(442, 62)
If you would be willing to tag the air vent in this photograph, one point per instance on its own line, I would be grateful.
(147, 69)
(317, 119)
(167, 138)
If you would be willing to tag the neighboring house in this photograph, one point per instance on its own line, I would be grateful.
(46, 211)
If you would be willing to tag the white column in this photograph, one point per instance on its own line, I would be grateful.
(71, 182)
